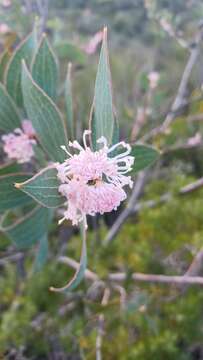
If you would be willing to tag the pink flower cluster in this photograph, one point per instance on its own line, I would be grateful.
(93, 182)
(18, 145)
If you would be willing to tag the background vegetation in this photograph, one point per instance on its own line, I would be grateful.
(156, 321)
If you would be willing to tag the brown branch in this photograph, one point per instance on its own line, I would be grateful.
(192, 186)
(138, 187)
(74, 264)
(13, 257)
(100, 330)
(180, 99)
(188, 278)
(195, 117)
(178, 103)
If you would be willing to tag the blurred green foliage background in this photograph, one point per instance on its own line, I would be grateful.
(158, 321)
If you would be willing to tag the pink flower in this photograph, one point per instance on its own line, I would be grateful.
(195, 140)
(4, 29)
(91, 47)
(153, 78)
(6, 3)
(18, 145)
(166, 26)
(93, 182)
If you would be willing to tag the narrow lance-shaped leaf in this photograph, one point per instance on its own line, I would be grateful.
(69, 102)
(9, 116)
(10, 197)
(25, 50)
(29, 229)
(45, 68)
(9, 168)
(79, 275)
(42, 253)
(103, 102)
(5, 56)
(144, 156)
(45, 117)
(43, 188)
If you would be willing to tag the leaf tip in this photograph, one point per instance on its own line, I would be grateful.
(70, 67)
(53, 289)
(17, 185)
(24, 66)
(105, 33)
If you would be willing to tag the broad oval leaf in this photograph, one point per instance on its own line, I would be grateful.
(144, 156)
(9, 116)
(103, 103)
(42, 253)
(25, 50)
(43, 188)
(45, 68)
(10, 197)
(79, 275)
(28, 230)
(45, 117)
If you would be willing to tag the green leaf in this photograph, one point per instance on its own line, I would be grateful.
(10, 197)
(69, 103)
(115, 137)
(42, 253)
(25, 50)
(40, 156)
(103, 102)
(9, 168)
(79, 275)
(45, 68)
(9, 116)
(45, 117)
(43, 188)
(144, 156)
(93, 130)
(29, 229)
(5, 56)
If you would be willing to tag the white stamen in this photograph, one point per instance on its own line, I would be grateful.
(61, 220)
(75, 144)
(66, 151)
(102, 140)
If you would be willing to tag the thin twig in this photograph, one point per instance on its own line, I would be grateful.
(13, 257)
(187, 278)
(153, 278)
(179, 102)
(100, 330)
(74, 264)
(180, 99)
(139, 185)
(195, 117)
(43, 7)
(192, 186)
